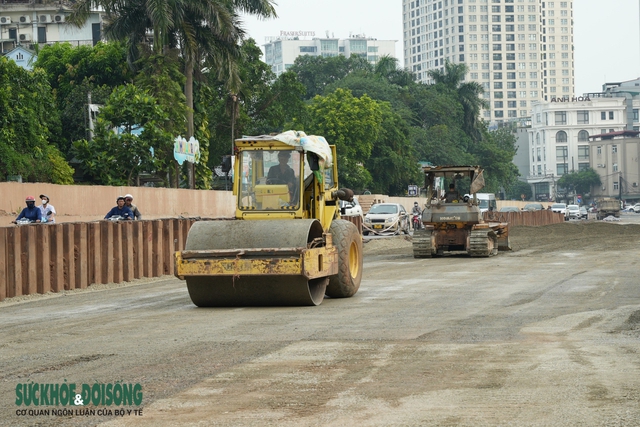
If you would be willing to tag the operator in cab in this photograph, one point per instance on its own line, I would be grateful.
(282, 173)
(452, 194)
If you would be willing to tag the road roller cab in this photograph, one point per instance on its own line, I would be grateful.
(287, 244)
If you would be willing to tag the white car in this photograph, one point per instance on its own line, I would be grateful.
(386, 218)
(636, 208)
(352, 208)
(573, 212)
(559, 207)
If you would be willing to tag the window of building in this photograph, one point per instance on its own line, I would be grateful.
(561, 136)
(583, 136)
(635, 114)
(561, 118)
(610, 115)
(561, 168)
(583, 117)
(615, 167)
(599, 149)
(603, 115)
(583, 152)
(614, 148)
(615, 185)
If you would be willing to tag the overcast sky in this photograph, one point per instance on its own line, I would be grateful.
(606, 38)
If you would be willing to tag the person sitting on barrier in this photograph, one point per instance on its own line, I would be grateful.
(47, 211)
(120, 210)
(128, 202)
(451, 195)
(31, 212)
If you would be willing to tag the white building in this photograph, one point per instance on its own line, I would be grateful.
(27, 22)
(281, 52)
(520, 51)
(560, 134)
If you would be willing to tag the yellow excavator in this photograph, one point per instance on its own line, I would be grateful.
(287, 245)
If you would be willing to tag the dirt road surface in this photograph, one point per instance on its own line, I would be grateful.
(547, 335)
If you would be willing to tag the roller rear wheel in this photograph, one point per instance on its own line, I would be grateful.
(349, 243)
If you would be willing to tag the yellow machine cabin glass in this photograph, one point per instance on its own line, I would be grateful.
(270, 180)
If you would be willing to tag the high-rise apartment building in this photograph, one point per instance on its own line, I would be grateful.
(520, 51)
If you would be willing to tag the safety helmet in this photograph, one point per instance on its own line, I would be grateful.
(415, 203)
(30, 199)
(128, 196)
(43, 196)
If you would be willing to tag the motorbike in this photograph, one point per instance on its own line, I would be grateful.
(415, 221)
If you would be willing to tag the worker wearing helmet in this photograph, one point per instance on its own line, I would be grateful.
(31, 212)
(128, 202)
(120, 210)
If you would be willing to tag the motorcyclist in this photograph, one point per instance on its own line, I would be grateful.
(416, 209)
(128, 201)
(416, 212)
(47, 211)
(120, 210)
(31, 212)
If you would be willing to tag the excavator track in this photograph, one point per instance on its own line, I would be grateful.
(483, 243)
(423, 244)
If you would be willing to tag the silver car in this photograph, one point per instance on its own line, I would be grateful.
(573, 212)
(386, 218)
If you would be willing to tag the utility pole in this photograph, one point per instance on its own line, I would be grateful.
(620, 187)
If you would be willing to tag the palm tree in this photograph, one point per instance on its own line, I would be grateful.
(203, 30)
(469, 96)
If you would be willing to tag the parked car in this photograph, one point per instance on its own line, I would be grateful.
(636, 208)
(573, 212)
(386, 218)
(352, 208)
(559, 207)
(509, 209)
(583, 212)
(533, 207)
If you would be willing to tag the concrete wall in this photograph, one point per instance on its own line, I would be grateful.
(90, 202)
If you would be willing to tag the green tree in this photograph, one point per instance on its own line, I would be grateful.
(76, 72)
(117, 157)
(318, 72)
(517, 189)
(265, 104)
(160, 77)
(495, 154)
(28, 115)
(468, 95)
(206, 31)
(353, 125)
(580, 182)
(392, 164)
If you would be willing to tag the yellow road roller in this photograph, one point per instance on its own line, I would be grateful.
(287, 245)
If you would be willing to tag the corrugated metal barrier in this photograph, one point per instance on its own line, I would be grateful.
(39, 258)
(526, 218)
